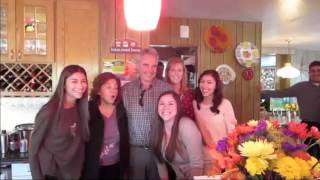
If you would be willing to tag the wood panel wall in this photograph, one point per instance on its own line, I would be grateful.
(113, 27)
(244, 95)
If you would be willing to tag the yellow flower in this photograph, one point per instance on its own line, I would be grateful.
(260, 148)
(288, 168)
(252, 123)
(256, 166)
(312, 162)
(304, 167)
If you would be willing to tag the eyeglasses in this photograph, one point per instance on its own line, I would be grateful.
(141, 97)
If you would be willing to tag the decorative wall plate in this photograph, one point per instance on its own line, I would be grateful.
(247, 54)
(217, 39)
(247, 74)
(226, 73)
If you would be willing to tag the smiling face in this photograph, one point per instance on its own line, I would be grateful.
(109, 92)
(314, 74)
(148, 68)
(207, 85)
(175, 73)
(167, 107)
(75, 86)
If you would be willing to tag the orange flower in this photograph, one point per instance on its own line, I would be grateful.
(301, 154)
(244, 129)
(275, 124)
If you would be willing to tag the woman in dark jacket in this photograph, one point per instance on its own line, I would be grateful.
(107, 152)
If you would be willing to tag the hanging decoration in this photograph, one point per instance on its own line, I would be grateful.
(247, 74)
(247, 54)
(142, 15)
(217, 39)
(226, 73)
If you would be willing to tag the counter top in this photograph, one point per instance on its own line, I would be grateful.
(14, 157)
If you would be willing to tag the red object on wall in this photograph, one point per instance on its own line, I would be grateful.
(218, 39)
(247, 74)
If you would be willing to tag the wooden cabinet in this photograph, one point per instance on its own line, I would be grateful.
(77, 35)
(27, 31)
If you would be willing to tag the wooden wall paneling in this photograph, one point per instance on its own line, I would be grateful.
(120, 24)
(174, 34)
(257, 69)
(136, 36)
(205, 53)
(78, 35)
(216, 58)
(238, 82)
(162, 34)
(107, 29)
(194, 30)
(229, 58)
(145, 39)
(248, 86)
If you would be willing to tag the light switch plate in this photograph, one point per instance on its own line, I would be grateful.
(184, 31)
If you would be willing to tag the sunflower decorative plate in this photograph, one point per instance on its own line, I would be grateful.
(247, 54)
(226, 73)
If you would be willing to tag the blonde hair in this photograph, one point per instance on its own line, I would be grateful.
(173, 61)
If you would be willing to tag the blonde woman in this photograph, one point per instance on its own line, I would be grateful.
(176, 76)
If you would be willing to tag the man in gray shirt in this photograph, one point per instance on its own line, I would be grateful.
(308, 96)
(140, 100)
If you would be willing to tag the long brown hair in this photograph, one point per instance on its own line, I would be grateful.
(56, 102)
(217, 94)
(159, 130)
(98, 83)
(173, 61)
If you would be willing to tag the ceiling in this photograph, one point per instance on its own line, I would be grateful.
(282, 20)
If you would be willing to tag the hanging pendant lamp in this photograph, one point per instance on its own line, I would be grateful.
(288, 71)
(142, 15)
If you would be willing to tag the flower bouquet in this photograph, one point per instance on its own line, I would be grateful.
(265, 150)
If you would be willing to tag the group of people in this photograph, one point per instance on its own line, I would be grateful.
(150, 128)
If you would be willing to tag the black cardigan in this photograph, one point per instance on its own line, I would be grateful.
(93, 146)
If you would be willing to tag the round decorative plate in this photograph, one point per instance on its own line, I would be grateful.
(226, 73)
(247, 54)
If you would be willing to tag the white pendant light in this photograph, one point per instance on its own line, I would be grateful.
(288, 71)
(142, 15)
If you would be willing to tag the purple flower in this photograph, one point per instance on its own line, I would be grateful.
(245, 137)
(261, 126)
(291, 147)
(289, 133)
(222, 145)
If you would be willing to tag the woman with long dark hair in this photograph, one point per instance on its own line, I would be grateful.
(61, 129)
(177, 138)
(107, 152)
(214, 113)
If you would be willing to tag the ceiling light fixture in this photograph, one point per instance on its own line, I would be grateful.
(142, 15)
(288, 71)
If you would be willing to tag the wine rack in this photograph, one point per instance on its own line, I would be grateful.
(26, 78)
